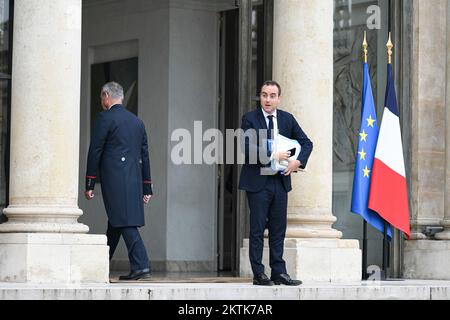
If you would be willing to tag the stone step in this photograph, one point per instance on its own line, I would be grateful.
(386, 290)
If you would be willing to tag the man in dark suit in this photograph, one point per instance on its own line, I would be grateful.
(119, 150)
(267, 190)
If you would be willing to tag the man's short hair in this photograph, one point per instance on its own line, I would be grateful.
(272, 83)
(113, 90)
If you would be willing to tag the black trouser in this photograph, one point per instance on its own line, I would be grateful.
(136, 248)
(268, 207)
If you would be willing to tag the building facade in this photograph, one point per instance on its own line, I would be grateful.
(195, 65)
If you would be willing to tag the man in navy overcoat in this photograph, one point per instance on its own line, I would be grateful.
(119, 152)
(267, 190)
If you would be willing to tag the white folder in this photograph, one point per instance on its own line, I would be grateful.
(283, 144)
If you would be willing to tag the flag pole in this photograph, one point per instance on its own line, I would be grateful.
(365, 47)
(386, 243)
(364, 257)
(385, 252)
(389, 46)
(365, 275)
(384, 272)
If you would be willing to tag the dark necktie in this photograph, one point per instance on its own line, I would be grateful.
(270, 136)
(270, 131)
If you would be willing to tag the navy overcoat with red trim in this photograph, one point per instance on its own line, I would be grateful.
(119, 151)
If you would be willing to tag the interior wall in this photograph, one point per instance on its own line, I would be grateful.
(193, 78)
(114, 31)
(176, 42)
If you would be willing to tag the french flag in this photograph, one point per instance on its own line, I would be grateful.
(388, 192)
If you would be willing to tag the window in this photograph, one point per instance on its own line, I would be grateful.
(351, 19)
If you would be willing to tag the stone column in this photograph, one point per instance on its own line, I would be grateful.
(42, 240)
(445, 235)
(428, 115)
(424, 257)
(303, 65)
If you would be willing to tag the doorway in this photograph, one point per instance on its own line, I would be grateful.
(245, 63)
(228, 119)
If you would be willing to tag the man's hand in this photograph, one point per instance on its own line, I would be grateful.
(292, 167)
(89, 194)
(147, 199)
(281, 156)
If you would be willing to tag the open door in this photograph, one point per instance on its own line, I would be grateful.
(228, 119)
(245, 63)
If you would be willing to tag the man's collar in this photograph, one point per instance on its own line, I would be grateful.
(266, 114)
(115, 105)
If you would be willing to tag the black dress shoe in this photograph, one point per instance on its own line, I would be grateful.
(262, 280)
(136, 275)
(286, 280)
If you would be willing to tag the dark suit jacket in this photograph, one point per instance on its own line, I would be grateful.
(251, 179)
(119, 149)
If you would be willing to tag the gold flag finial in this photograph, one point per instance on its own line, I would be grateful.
(365, 46)
(389, 46)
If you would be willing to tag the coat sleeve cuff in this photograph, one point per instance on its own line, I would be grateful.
(90, 182)
(148, 188)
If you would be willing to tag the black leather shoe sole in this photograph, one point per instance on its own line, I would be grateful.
(263, 283)
(143, 275)
(293, 283)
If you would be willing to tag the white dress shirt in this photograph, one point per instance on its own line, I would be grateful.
(275, 122)
(275, 127)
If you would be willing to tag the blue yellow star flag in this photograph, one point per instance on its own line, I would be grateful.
(367, 142)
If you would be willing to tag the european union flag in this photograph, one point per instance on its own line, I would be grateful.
(368, 137)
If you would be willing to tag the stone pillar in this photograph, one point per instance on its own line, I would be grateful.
(425, 258)
(42, 240)
(303, 65)
(428, 115)
(445, 235)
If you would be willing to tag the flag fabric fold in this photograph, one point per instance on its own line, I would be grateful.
(367, 137)
(388, 192)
